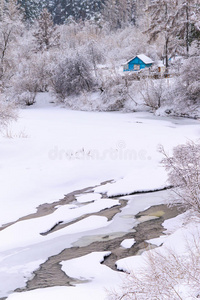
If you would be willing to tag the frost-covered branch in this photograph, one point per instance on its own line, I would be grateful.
(163, 275)
(7, 113)
(183, 169)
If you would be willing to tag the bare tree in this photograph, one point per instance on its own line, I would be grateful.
(187, 14)
(71, 77)
(153, 92)
(185, 91)
(11, 28)
(161, 22)
(190, 79)
(115, 92)
(45, 32)
(164, 275)
(183, 169)
(174, 20)
(33, 76)
(95, 54)
(7, 112)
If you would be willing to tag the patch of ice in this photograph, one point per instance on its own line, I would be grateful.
(30, 232)
(13, 272)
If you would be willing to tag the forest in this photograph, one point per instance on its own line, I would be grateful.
(75, 50)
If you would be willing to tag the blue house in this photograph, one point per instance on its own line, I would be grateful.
(138, 62)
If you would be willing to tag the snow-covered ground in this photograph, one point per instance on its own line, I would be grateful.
(53, 151)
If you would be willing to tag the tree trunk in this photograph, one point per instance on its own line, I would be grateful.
(166, 52)
(166, 41)
(187, 30)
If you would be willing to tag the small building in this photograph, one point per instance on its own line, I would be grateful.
(138, 62)
(161, 67)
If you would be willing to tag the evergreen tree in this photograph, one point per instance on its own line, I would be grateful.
(61, 10)
(31, 9)
(118, 13)
(55, 7)
(187, 14)
(175, 20)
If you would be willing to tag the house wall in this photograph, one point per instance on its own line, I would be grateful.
(136, 64)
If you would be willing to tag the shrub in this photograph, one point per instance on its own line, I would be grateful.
(183, 169)
(7, 112)
(27, 98)
(31, 78)
(163, 275)
(153, 92)
(71, 77)
(114, 93)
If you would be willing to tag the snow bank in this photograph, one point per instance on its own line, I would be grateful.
(139, 180)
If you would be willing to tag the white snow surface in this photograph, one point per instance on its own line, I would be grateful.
(54, 151)
(127, 243)
(89, 268)
(89, 197)
(66, 150)
(139, 180)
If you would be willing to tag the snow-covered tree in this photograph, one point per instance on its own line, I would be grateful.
(163, 274)
(183, 169)
(84, 9)
(95, 54)
(71, 77)
(45, 32)
(176, 21)
(115, 93)
(62, 10)
(186, 16)
(57, 8)
(160, 14)
(7, 112)
(11, 31)
(33, 76)
(185, 91)
(31, 9)
(118, 13)
(190, 79)
(153, 92)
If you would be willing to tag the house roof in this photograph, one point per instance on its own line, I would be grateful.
(143, 57)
